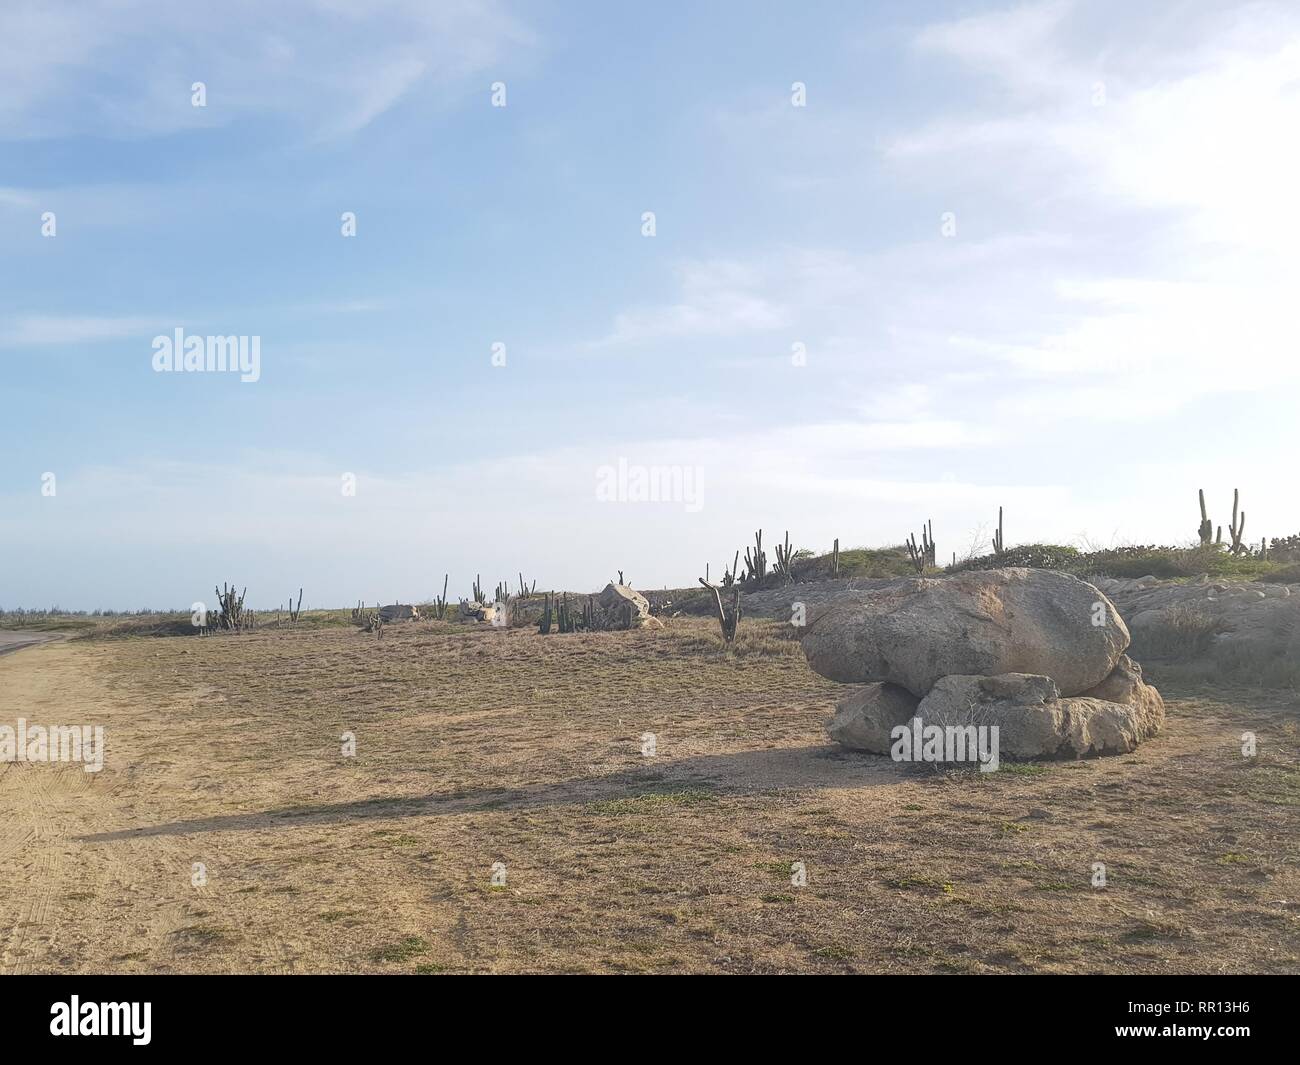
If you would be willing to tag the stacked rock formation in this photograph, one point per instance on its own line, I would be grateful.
(1039, 654)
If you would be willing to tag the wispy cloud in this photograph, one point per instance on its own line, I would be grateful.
(329, 67)
(48, 330)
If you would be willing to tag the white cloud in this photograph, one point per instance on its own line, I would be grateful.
(718, 298)
(1188, 163)
(1020, 44)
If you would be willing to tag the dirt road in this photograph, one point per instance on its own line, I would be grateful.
(66, 905)
(16, 641)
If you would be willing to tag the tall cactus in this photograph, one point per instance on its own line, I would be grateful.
(1237, 529)
(729, 576)
(998, 543)
(440, 605)
(727, 619)
(1206, 530)
(756, 563)
(785, 560)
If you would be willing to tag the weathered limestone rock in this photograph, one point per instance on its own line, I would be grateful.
(864, 719)
(914, 632)
(1126, 687)
(1035, 722)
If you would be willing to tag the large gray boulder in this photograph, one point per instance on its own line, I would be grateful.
(1034, 721)
(864, 719)
(623, 607)
(399, 612)
(914, 632)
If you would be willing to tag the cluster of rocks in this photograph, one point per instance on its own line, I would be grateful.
(475, 611)
(1037, 653)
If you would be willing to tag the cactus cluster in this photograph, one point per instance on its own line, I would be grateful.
(1236, 530)
(556, 614)
(231, 616)
(922, 555)
(785, 560)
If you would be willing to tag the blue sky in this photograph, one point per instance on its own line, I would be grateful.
(1105, 327)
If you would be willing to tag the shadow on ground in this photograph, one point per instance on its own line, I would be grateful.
(817, 766)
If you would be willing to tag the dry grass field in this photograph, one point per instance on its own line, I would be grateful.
(478, 746)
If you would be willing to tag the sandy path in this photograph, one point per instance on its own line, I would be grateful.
(16, 641)
(66, 905)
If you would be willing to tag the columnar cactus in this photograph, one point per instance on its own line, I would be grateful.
(785, 560)
(727, 619)
(1237, 529)
(756, 563)
(729, 576)
(440, 605)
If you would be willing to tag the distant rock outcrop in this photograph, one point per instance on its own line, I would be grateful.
(471, 611)
(623, 607)
(1244, 630)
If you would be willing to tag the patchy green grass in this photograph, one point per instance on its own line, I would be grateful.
(651, 802)
(403, 950)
